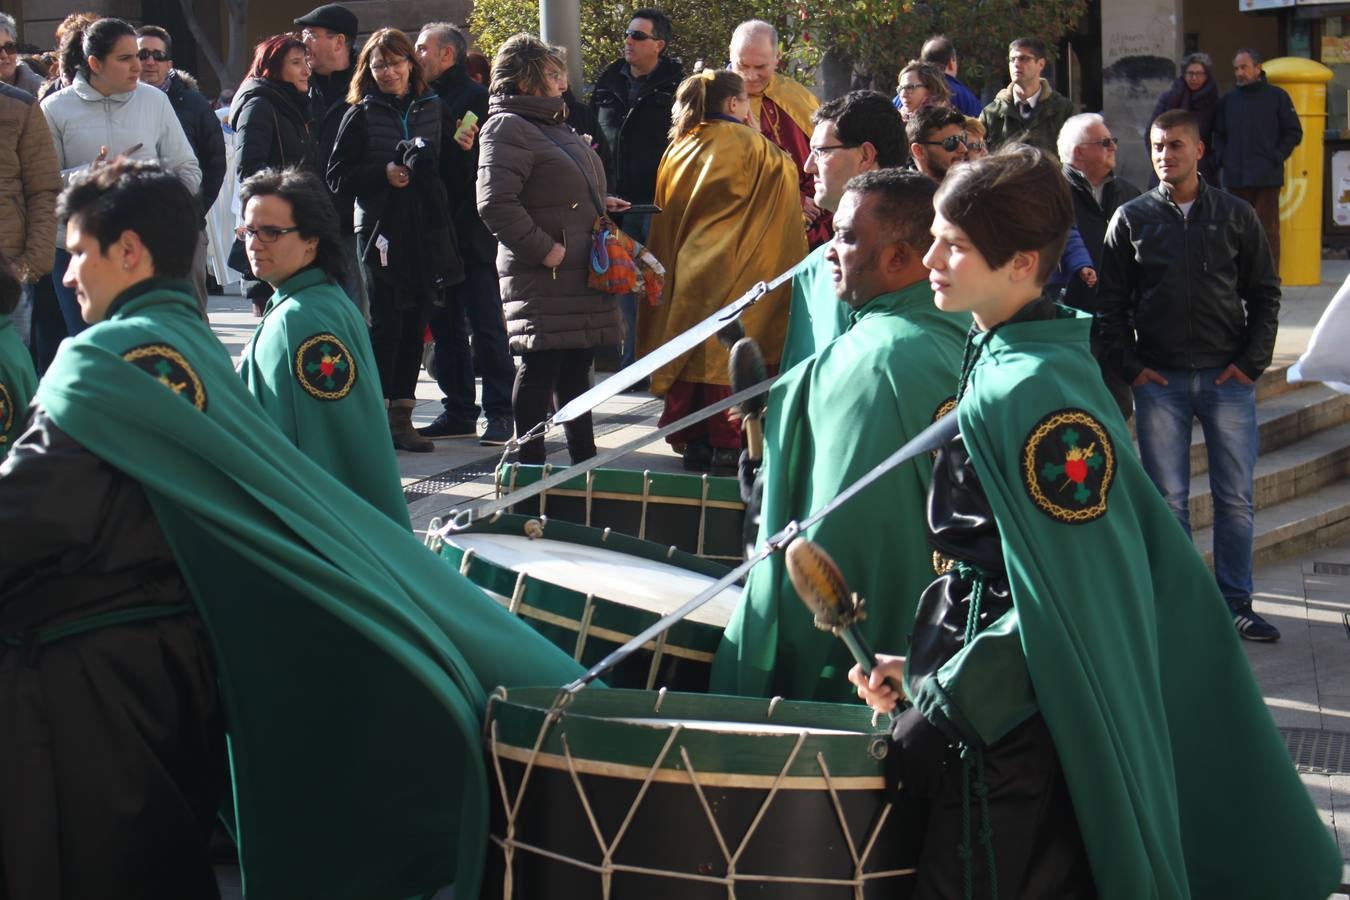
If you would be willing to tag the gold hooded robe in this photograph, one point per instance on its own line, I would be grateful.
(731, 217)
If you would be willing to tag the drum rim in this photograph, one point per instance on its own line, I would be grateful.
(679, 488)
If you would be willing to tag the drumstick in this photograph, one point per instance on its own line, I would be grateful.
(837, 610)
(747, 369)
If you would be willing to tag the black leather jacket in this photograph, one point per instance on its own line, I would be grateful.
(1180, 292)
(637, 133)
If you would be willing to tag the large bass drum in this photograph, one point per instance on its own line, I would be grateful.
(699, 514)
(636, 795)
(590, 591)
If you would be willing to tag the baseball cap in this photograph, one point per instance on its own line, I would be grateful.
(333, 16)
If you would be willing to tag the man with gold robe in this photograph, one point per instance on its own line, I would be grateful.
(780, 109)
(731, 217)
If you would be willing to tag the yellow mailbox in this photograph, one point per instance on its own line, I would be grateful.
(1301, 196)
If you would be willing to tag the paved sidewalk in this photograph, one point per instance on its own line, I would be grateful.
(1305, 677)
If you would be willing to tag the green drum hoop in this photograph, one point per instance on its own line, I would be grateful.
(655, 795)
(700, 514)
(589, 591)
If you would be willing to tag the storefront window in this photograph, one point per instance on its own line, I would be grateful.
(1335, 54)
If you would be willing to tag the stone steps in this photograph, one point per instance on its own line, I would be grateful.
(1302, 485)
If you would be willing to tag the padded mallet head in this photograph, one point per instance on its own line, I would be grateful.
(821, 585)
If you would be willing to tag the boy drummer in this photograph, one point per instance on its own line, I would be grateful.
(1082, 709)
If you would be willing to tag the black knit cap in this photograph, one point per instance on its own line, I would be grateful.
(333, 16)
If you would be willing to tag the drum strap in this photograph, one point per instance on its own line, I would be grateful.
(465, 518)
(931, 438)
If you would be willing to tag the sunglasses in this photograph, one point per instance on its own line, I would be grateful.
(11, 48)
(1107, 143)
(974, 146)
(949, 143)
(638, 36)
(268, 234)
(156, 55)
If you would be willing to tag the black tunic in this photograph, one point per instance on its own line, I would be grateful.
(112, 760)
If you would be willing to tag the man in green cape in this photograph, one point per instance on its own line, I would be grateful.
(853, 134)
(831, 419)
(1075, 650)
(310, 364)
(18, 381)
(352, 664)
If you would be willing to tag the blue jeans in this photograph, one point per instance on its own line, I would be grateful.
(65, 297)
(1227, 414)
(637, 227)
(474, 306)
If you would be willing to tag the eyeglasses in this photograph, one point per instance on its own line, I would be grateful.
(826, 150)
(950, 142)
(1023, 58)
(156, 55)
(639, 36)
(11, 48)
(1192, 75)
(975, 146)
(268, 234)
(910, 88)
(1105, 143)
(377, 68)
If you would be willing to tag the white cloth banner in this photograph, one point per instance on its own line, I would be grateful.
(223, 218)
(1327, 358)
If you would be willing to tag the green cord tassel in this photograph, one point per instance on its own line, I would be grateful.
(977, 578)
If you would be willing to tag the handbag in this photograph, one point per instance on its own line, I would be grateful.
(613, 261)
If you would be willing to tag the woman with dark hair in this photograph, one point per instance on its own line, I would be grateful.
(274, 126)
(918, 85)
(731, 216)
(1197, 91)
(387, 158)
(309, 363)
(539, 186)
(18, 381)
(107, 112)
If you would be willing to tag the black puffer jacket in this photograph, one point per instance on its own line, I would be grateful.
(1173, 288)
(203, 132)
(637, 133)
(275, 128)
(461, 94)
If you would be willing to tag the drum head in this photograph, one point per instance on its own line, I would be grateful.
(655, 586)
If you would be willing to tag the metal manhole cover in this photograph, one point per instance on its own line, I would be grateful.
(1318, 752)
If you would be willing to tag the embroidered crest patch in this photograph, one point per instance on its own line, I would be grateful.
(6, 413)
(324, 367)
(1068, 464)
(167, 366)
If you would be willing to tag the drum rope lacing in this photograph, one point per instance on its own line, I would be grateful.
(608, 867)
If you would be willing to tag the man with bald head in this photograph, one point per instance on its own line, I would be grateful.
(780, 109)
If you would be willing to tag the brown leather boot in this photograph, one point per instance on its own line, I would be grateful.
(401, 428)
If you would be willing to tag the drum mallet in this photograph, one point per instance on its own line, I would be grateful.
(836, 609)
(748, 369)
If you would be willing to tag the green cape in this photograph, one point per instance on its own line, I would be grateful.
(817, 315)
(831, 419)
(353, 662)
(18, 381)
(311, 369)
(1181, 783)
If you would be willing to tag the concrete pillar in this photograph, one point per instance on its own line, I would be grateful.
(1141, 46)
(560, 23)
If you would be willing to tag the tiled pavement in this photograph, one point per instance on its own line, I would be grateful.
(1305, 677)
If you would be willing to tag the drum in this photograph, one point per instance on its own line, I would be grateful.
(700, 514)
(635, 795)
(590, 591)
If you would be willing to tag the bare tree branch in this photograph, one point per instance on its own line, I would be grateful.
(237, 27)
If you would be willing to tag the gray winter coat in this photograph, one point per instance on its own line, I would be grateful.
(535, 182)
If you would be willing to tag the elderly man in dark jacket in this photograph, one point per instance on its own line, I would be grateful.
(1254, 133)
(632, 101)
(475, 306)
(199, 124)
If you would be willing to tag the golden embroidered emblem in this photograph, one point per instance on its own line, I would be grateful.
(1068, 466)
(167, 366)
(325, 367)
